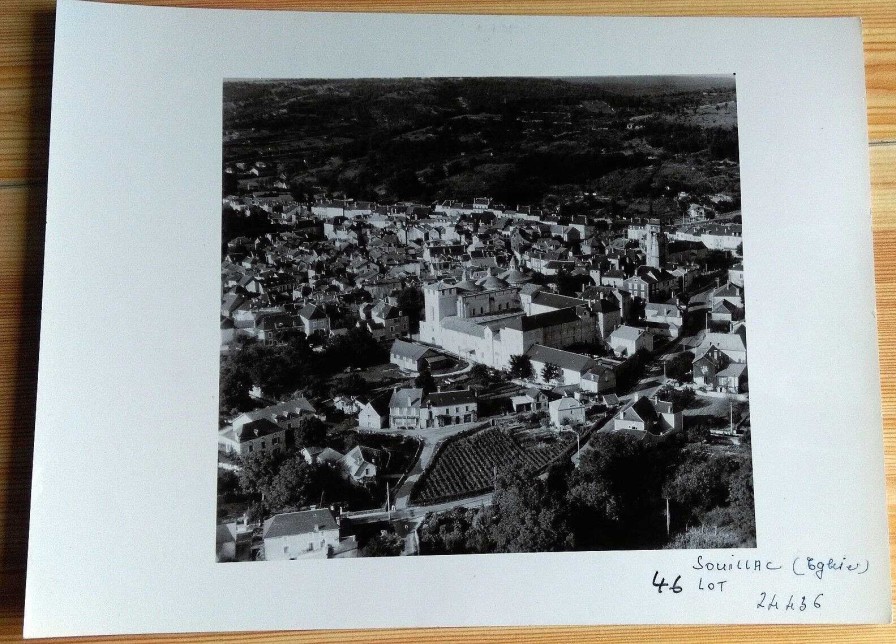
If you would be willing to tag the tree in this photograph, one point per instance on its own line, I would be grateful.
(311, 431)
(234, 384)
(295, 485)
(480, 376)
(526, 517)
(410, 302)
(681, 399)
(351, 385)
(424, 380)
(616, 493)
(550, 372)
(679, 367)
(258, 471)
(705, 537)
(521, 367)
(701, 482)
(453, 533)
(385, 544)
(228, 484)
(355, 348)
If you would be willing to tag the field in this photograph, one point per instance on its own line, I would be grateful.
(466, 465)
(723, 114)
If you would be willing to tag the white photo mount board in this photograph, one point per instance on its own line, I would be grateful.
(123, 501)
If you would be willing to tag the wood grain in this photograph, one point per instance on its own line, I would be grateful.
(26, 31)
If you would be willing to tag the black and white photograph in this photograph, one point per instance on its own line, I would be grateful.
(482, 315)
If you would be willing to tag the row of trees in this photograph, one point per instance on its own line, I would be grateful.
(615, 499)
(521, 368)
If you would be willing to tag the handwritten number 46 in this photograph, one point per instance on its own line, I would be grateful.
(662, 583)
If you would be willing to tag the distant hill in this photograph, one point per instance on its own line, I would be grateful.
(518, 140)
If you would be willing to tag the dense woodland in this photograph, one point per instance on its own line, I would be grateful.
(519, 141)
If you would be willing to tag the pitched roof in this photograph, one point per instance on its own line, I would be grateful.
(556, 301)
(409, 350)
(294, 523)
(605, 305)
(445, 398)
(626, 332)
(256, 429)
(563, 359)
(724, 341)
(724, 306)
(407, 397)
(272, 412)
(641, 409)
(379, 404)
(728, 290)
(462, 325)
(663, 309)
(542, 320)
(312, 312)
(735, 370)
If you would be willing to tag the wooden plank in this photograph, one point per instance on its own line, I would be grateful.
(25, 60)
(27, 29)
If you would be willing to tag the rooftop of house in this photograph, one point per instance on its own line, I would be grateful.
(297, 405)
(256, 429)
(555, 301)
(662, 309)
(406, 397)
(563, 359)
(409, 350)
(626, 332)
(542, 320)
(447, 398)
(296, 523)
(313, 312)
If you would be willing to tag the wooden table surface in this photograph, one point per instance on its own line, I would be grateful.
(26, 46)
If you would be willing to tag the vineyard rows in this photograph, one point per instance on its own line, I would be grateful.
(466, 466)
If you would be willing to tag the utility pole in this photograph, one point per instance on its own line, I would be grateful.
(668, 519)
(388, 504)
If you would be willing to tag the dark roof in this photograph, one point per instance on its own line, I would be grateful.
(312, 312)
(380, 403)
(256, 429)
(444, 398)
(541, 320)
(304, 522)
(652, 275)
(563, 359)
(556, 301)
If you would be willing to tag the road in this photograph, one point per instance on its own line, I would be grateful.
(431, 438)
(418, 512)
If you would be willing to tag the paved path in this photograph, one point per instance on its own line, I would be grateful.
(432, 438)
(458, 372)
(418, 511)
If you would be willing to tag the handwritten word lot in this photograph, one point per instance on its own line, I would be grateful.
(716, 584)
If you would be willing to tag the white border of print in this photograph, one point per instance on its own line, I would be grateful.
(123, 504)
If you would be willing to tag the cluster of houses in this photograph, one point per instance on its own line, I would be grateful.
(306, 534)
(411, 408)
(489, 274)
(269, 429)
